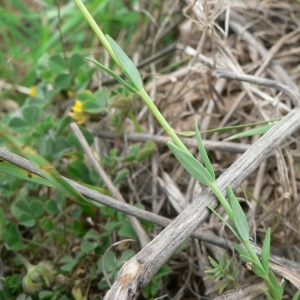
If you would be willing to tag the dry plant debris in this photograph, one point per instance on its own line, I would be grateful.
(254, 38)
(203, 76)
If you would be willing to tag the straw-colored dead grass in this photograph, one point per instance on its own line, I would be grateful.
(258, 38)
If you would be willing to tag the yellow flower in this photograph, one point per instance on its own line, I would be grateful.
(78, 114)
(32, 91)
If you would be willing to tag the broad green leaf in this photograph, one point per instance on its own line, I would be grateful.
(121, 175)
(265, 255)
(36, 208)
(31, 114)
(125, 255)
(115, 76)
(17, 123)
(76, 62)
(239, 217)
(109, 261)
(57, 64)
(2, 220)
(126, 65)
(192, 165)
(68, 263)
(126, 230)
(51, 206)
(87, 246)
(27, 220)
(98, 103)
(251, 132)
(226, 223)
(63, 81)
(91, 235)
(12, 236)
(47, 224)
(203, 152)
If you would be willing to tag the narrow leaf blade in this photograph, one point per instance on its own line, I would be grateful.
(251, 132)
(226, 223)
(126, 65)
(192, 165)
(241, 250)
(265, 256)
(239, 217)
(114, 75)
(203, 152)
(296, 296)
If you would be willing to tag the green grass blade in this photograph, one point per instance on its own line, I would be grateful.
(13, 170)
(251, 132)
(265, 255)
(114, 75)
(296, 296)
(126, 65)
(239, 127)
(274, 288)
(192, 165)
(203, 152)
(44, 167)
(239, 217)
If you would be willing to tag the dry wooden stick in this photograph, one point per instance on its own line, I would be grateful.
(261, 81)
(189, 142)
(137, 272)
(97, 197)
(248, 291)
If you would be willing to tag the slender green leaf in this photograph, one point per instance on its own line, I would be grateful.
(114, 75)
(274, 282)
(46, 170)
(281, 289)
(203, 152)
(126, 65)
(239, 217)
(246, 258)
(192, 165)
(11, 169)
(265, 256)
(258, 269)
(269, 297)
(296, 296)
(251, 132)
(241, 250)
(226, 223)
(238, 127)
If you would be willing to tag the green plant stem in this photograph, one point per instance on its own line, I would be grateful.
(222, 199)
(144, 95)
(254, 256)
(96, 29)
